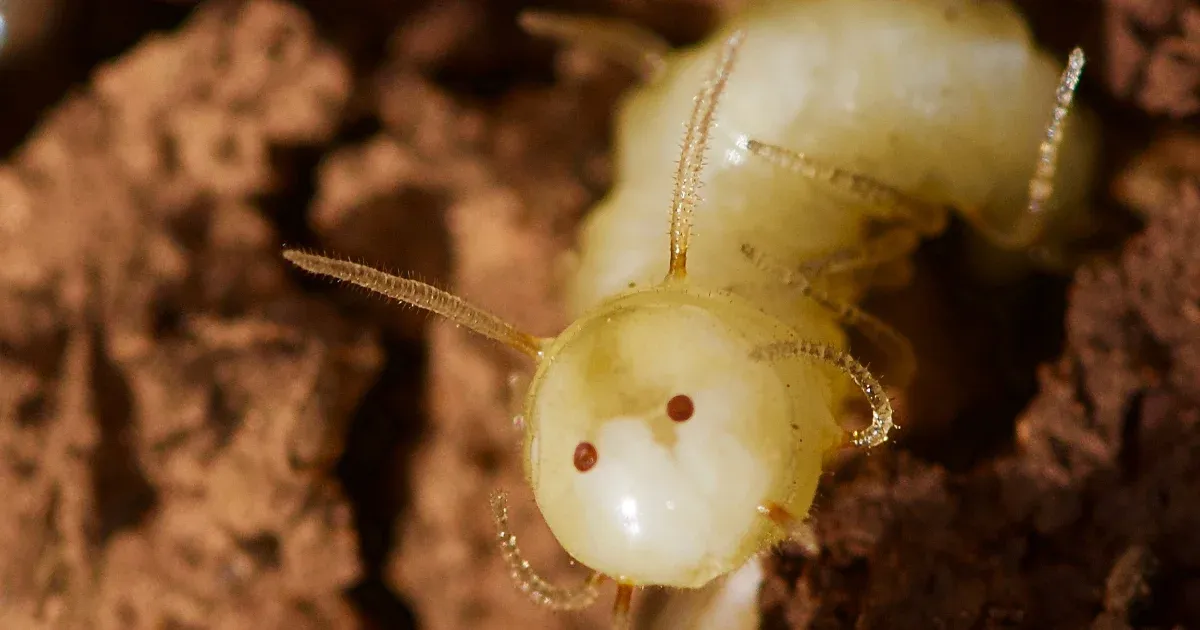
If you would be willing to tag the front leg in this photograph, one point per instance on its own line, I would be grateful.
(795, 529)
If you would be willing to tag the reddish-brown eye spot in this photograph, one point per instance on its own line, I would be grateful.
(585, 456)
(680, 408)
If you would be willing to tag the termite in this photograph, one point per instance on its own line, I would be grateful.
(679, 426)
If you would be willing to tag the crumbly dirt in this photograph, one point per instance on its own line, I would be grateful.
(193, 435)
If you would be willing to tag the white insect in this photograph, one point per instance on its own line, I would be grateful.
(679, 426)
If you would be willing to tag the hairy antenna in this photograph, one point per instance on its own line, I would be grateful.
(1041, 186)
(420, 295)
(532, 584)
(881, 407)
(691, 159)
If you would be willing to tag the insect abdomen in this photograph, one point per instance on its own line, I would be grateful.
(945, 100)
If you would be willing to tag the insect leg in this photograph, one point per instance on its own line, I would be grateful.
(637, 48)
(898, 347)
(1030, 223)
(622, 619)
(532, 584)
(910, 218)
(517, 386)
(881, 406)
(883, 201)
(797, 530)
(885, 247)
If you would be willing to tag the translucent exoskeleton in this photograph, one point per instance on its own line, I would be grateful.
(677, 429)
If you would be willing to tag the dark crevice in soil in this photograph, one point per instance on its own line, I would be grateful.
(362, 29)
(1006, 331)
(33, 411)
(124, 496)
(503, 55)
(86, 34)
(1131, 431)
(1061, 26)
(288, 210)
(358, 130)
(385, 431)
(224, 416)
(264, 548)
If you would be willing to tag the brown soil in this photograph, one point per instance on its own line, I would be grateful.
(195, 436)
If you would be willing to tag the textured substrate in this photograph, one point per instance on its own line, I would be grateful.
(193, 434)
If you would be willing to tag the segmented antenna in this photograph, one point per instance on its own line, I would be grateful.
(526, 579)
(875, 329)
(1041, 186)
(881, 406)
(691, 159)
(420, 295)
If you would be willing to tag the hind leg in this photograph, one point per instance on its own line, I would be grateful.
(637, 48)
(880, 201)
(798, 531)
(883, 248)
(903, 363)
(890, 204)
(1029, 224)
(905, 219)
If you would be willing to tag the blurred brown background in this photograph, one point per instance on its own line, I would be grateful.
(192, 435)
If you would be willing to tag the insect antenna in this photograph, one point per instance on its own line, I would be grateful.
(881, 334)
(691, 158)
(420, 295)
(1041, 186)
(532, 584)
(881, 406)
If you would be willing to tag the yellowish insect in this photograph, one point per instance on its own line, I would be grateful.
(679, 426)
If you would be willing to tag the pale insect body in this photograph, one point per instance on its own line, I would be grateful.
(678, 427)
(946, 100)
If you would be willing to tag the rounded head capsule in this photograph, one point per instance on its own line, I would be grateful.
(653, 437)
